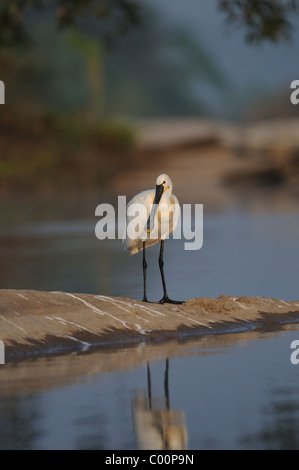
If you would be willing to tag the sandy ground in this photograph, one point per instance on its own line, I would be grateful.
(36, 323)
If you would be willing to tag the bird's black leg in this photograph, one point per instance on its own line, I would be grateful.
(165, 298)
(149, 386)
(144, 265)
(161, 266)
(166, 384)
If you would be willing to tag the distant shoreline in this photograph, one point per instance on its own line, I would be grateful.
(209, 161)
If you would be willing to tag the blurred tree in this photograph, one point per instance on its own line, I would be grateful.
(159, 70)
(262, 19)
(92, 51)
(112, 17)
(154, 70)
(55, 81)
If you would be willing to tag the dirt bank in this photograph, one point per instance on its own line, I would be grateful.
(210, 161)
(33, 322)
(218, 164)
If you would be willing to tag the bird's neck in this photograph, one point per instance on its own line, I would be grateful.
(165, 197)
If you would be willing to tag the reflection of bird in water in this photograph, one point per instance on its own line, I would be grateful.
(158, 214)
(158, 427)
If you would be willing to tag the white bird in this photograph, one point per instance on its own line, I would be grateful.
(158, 212)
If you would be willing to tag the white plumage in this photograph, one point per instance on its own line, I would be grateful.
(164, 221)
(152, 216)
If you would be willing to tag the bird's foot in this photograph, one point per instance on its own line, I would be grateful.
(167, 300)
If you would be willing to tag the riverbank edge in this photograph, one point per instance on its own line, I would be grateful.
(35, 323)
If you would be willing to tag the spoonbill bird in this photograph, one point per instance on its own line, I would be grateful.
(158, 212)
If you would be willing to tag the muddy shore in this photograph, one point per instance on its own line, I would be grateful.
(42, 323)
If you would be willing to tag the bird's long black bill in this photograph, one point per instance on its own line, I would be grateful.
(158, 195)
(159, 192)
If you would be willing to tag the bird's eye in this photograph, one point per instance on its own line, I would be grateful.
(164, 182)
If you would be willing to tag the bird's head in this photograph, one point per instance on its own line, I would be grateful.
(164, 182)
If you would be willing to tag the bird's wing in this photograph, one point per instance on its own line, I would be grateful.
(169, 218)
(146, 199)
(176, 212)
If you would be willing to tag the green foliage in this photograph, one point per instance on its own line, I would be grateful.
(23, 167)
(262, 19)
(50, 76)
(107, 18)
(74, 130)
(154, 70)
(60, 151)
(116, 135)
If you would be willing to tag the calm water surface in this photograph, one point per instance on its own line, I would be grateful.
(227, 391)
(237, 392)
(254, 255)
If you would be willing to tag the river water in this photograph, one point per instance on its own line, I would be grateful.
(218, 392)
(242, 254)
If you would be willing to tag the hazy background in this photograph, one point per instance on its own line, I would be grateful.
(181, 54)
(91, 114)
(252, 72)
(182, 92)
